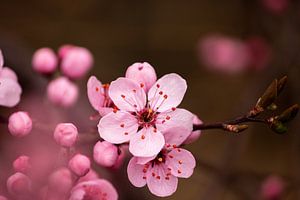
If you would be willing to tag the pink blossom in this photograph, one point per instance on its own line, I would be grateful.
(272, 188)
(60, 181)
(64, 49)
(98, 96)
(195, 134)
(224, 54)
(276, 6)
(10, 92)
(76, 62)
(22, 164)
(161, 172)
(142, 119)
(66, 134)
(80, 165)
(19, 124)
(105, 153)
(18, 184)
(62, 91)
(44, 61)
(142, 73)
(99, 189)
(8, 73)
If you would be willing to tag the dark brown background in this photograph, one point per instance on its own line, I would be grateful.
(165, 33)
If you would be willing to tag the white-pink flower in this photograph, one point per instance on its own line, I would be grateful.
(94, 190)
(161, 172)
(143, 118)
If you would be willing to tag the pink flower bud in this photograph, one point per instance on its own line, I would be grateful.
(8, 73)
(105, 153)
(22, 164)
(10, 91)
(91, 175)
(18, 184)
(19, 124)
(76, 62)
(60, 181)
(276, 6)
(195, 134)
(272, 188)
(64, 49)
(80, 164)
(62, 91)
(44, 61)
(3, 197)
(142, 73)
(65, 134)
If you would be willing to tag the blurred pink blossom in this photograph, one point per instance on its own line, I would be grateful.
(22, 164)
(8, 73)
(66, 134)
(44, 61)
(105, 154)
(272, 188)
(276, 6)
(62, 92)
(19, 184)
(80, 165)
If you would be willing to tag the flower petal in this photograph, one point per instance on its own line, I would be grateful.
(144, 160)
(176, 136)
(174, 118)
(10, 92)
(142, 73)
(146, 143)
(8, 73)
(195, 134)
(117, 127)
(95, 92)
(136, 173)
(160, 182)
(127, 95)
(181, 162)
(167, 92)
(1, 60)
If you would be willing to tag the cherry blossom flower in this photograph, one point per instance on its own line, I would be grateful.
(161, 172)
(142, 119)
(98, 96)
(44, 61)
(22, 164)
(19, 124)
(99, 189)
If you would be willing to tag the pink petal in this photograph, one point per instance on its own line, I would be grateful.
(117, 127)
(174, 118)
(181, 162)
(144, 160)
(1, 60)
(10, 92)
(176, 136)
(127, 95)
(167, 92)
(142, 73)
(8, 73)
(160, 182)
(95, 92)
(195, 134)
(146, 143)
(136, 173)
(105, 110)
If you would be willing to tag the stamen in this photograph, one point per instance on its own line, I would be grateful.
(160, 159)
(168, 117)
(180, 162)
(122, 125)
(157, 177)
(125, 133)
(173, 109)
(142, 85)
(143, 137)
(179, 172)
(97, 89)
(123, 96)
(157, 85)
(167, 178)
(160, 93)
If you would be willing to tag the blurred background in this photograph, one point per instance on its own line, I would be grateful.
(227, 51)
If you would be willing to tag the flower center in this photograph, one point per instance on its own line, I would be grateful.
(147, 117)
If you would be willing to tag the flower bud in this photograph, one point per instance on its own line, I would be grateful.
(44, 61)
(91, 175)
(22, 164)
(142, 73)
(65, 134)
(105, 153)
(60, 181)
(80, 165)
(18, 184)
(19, 124)
(195, 134)
(8, 73)
(76, 62)
(64, 49)
(62, 91)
